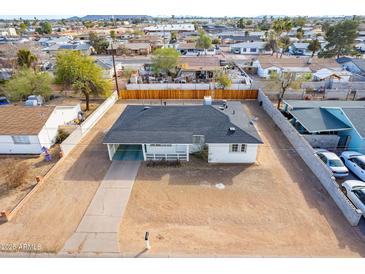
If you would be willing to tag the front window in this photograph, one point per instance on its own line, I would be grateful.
(238, 148)
(335, 163)
(21, 139)
(243, 148)
(234, 148)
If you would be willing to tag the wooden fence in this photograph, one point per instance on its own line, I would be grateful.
(188, 94)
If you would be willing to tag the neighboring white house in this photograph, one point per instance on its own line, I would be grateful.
(249, 48)
(25, 130)
(266, 65)
(221, 129)
(107, 68)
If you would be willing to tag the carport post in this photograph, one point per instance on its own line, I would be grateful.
(109, 152)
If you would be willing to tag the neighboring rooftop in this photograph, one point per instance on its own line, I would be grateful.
(178, 124)
(20, 120)
(199, 62)
(295, 104)
(313, 63)
(360, 63)
(357, 118)
(318, 120)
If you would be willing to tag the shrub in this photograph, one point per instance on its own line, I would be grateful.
(16, 174)
(164, 163)
(202, 154)
(61, 136)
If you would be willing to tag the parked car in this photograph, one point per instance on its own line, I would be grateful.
(4, 101)
(355, 191)
(34, 100)
(333, 162)
(355, 162)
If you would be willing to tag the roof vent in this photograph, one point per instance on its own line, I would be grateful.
(232, 129)
(145, 108)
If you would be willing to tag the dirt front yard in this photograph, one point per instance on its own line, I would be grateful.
(275, 207)
(51, 216)
(10, 196)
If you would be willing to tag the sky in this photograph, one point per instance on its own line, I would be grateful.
(214, 8)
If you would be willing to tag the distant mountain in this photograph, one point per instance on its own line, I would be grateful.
(108, 17)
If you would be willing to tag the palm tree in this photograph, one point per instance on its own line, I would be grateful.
(272, 43)
(284, 43)
(26, 59)
(314, 46)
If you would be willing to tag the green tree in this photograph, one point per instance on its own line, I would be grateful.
(165, 60)
(100, 44)
(173, 36)
(299, 21)
(216, 41)
(284, 43)
(341, 39)
(27, 82)
(22, 28)
(314, 46)
(88, 24)
(44, 28)
(272, 43)
(204, 41)
(113, 34)
(78, 71)
(223, 80)
(241, 23)
(26, 59)
(285, 80)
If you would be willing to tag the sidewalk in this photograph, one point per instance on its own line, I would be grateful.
(97, 232)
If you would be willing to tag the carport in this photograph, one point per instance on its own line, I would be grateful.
(129, 152)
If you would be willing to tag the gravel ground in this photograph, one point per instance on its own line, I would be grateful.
(275, 207)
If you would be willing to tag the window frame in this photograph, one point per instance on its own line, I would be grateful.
(25, 139)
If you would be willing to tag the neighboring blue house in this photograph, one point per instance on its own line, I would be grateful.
(346, 119)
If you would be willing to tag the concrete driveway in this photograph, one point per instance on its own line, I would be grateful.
(97, 233)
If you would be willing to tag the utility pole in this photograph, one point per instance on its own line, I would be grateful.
(115, 70)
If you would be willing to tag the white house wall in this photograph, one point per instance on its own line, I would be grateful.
(60, 116)
(7, 145)
(220, 153)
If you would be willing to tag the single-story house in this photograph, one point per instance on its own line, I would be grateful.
(198, 68)
(121, 48)
(249, 48)
(223, 130)
(85, 48)
(25, 130)
(170, 27)
(300, 49)
(234, 39)
(107, 68)
(190, 49)
(270, 64)
(329, 124)
(329, 75)
(356, 66)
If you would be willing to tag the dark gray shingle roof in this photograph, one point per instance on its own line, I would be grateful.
(178, 124)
